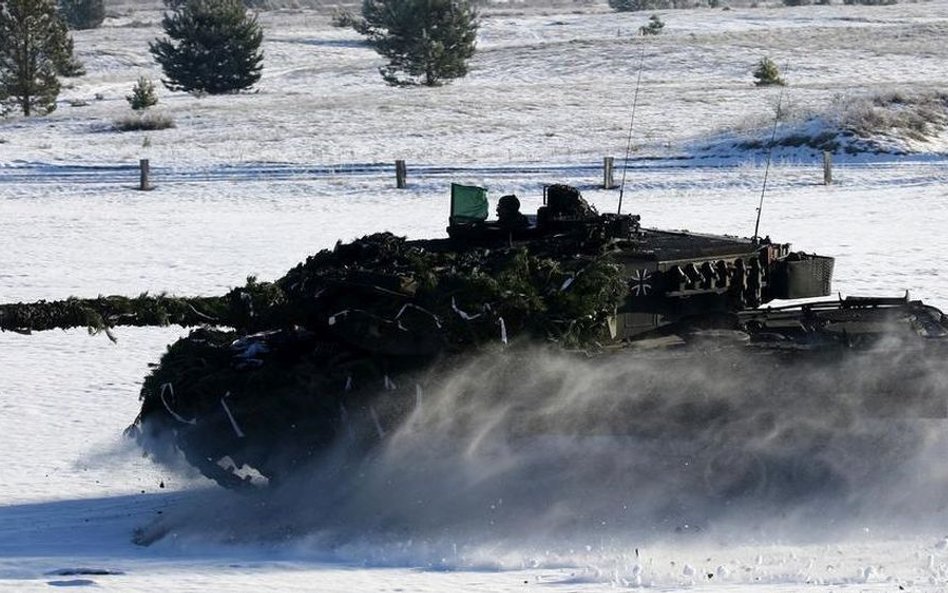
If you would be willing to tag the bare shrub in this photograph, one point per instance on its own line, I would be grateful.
(143, 121)
(894, 113)
(892, 121)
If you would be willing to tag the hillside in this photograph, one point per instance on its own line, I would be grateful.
(544, 86)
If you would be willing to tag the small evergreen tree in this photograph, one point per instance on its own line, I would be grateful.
(35, 48)
(654, 26)
(767, 73)
(82, 14)
(143, 95)
(426, 41)
(213, 46)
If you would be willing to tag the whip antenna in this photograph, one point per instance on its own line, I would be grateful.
(628, 145)
(770, 151)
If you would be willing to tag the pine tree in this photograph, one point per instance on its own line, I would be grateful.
(35, 48)
(767, 73)
(213, 46)
(426, 41)
(82, 14)
(143, 95)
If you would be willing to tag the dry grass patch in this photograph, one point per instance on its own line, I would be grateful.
(143, 121)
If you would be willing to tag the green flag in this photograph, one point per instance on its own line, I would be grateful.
(468, 203)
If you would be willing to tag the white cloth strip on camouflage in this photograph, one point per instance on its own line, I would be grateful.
(161, 396)
(230, 416)
(378, 424)
(332, 318)
(465, 316)
(422, 309)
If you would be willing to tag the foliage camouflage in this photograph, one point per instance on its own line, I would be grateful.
(212, 46)
(344, 318)
(101, 314)
(426, 42)
(521, 286)
(35, 48)
(518, 284)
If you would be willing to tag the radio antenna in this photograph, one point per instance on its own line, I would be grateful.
(628, 144)
(770, 151)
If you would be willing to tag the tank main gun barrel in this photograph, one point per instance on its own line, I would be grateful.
(104, 312)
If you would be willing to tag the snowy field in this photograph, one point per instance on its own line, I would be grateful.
(251, 184)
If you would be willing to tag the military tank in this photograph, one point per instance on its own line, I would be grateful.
(345, 348)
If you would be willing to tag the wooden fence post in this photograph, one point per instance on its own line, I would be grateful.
(144, 183)
(400, 174)
(827, 167)
(607, 168)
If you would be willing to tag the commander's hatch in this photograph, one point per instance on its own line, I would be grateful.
(468, 205)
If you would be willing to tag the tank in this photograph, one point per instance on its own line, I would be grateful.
(350, 344)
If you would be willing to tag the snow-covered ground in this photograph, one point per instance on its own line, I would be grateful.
(545, 85)
(251, 184)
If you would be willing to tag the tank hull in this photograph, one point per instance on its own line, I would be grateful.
(245, 421)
